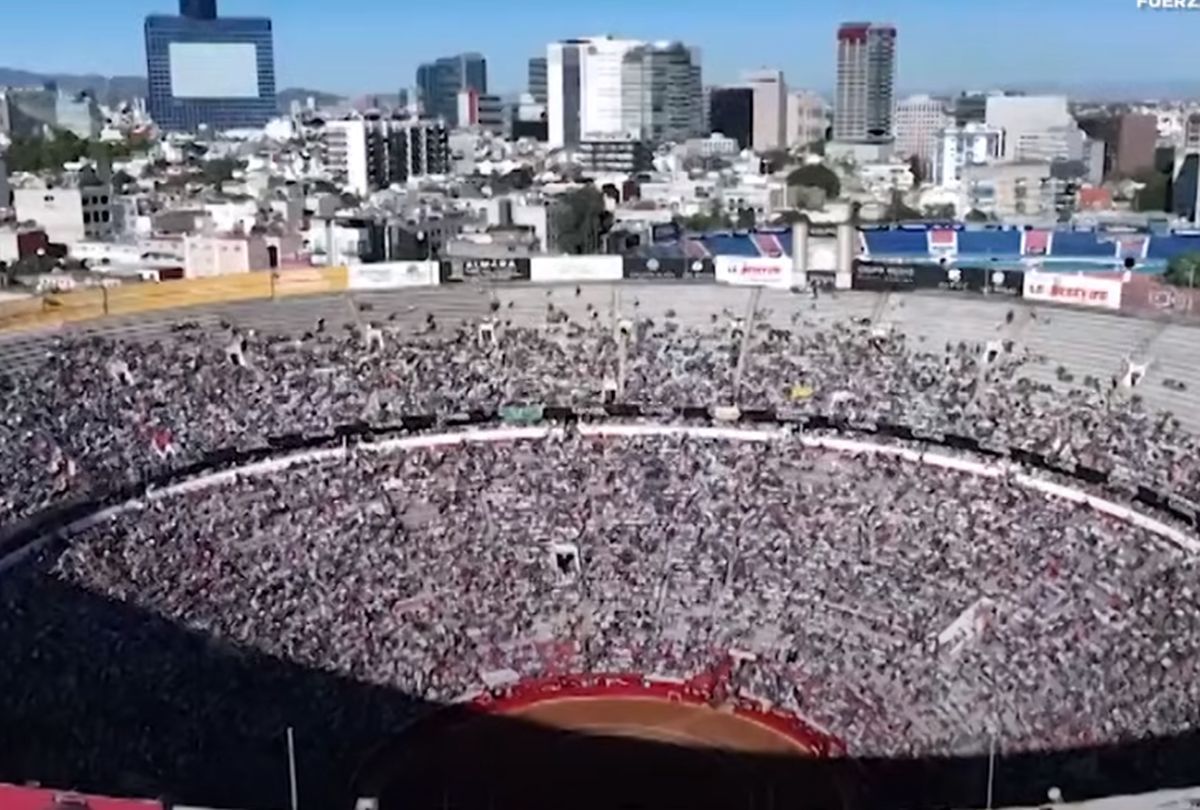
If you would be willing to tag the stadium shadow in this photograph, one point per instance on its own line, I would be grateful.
(99, 696)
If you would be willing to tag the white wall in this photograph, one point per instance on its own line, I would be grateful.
(600, 84)
(770, 109)
(59, 211)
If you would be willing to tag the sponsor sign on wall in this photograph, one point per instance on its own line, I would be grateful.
(392, 275)
(636, 267)
(575, 268)
(1075, 290)
(1145, 294)
(755, 271)
(495, 269)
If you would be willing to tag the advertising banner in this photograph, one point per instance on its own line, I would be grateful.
(755, 271)
(392, 275)
(545, 269)
(1145, 294)
(1081, 291)
(636, 267)
(458, 271)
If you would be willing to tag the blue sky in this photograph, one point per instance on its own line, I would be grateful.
(353, 46)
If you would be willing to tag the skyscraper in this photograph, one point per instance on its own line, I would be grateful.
(601, 86)
(770, 109)
(198, 9)
(731, 113)
(662, 93)
(537, 79)
(205, 70)
(866, 83)
(439, 82)
(563, 88)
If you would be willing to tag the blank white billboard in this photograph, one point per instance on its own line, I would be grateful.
(214, 70)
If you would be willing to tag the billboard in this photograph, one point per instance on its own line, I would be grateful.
(755, 271)
(575, 268)
(649, 269)
(392, 275)
(455, 271)
(1075, 290)
(214, 69)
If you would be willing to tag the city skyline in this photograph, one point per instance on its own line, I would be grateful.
(380, 49)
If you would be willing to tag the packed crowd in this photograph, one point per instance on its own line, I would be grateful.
(905, 609)
(98, 413)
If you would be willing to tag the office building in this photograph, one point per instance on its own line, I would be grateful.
(1185, 174)
(198, 9)
(81, 209)
(5, 191)
(1028, 123)
(602, 86)
(439, 83)
(210, 71)
(367, 155)
(770, 109)
(807, 118)
(866, 82)
(1013, 190)
(662, 93)
(919, 122)
(37, 111)
(970, 108)
(537, 79)
(480, 111)
(959, 147)
(1127, 142)
(731, 113)
(619, 153)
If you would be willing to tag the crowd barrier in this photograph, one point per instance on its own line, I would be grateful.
(530, 692)
(1132, 293)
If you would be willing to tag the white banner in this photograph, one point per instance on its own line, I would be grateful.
(392, 275)
(575, 268)
(1076, 290)
(754, 271)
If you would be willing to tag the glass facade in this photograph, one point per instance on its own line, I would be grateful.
(174, 113)
(438, 84)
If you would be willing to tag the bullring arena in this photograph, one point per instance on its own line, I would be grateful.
(934, 525)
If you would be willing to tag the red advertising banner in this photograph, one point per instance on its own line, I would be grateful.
(1146, 294)
(21, 798)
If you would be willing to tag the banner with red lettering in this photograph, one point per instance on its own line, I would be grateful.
(754, 271)
(1074, 290)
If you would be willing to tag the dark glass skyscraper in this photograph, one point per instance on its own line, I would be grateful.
(731, 113)
(439, 82)
(198, 9)
(205, 70)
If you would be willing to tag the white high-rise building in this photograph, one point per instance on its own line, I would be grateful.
(1027, 123)
(866, 83)
(347, 144)
(807, 118)
(598, 87)
(770, 109)
(960, 147)
(919, 121)
(602, 101)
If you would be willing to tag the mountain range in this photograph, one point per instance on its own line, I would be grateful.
(115, 89)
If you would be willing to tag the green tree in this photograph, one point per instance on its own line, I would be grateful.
(715, 219)
(746, 218)
(975, 215)
(215, 172)
(918, 171)
(1152, 196)
(898, 210)
(580, 219)
(945, 211)
(775, 160)
(814, 175)
(1183, 270)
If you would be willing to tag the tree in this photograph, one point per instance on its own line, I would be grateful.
(580, 219)
(775, 159)
(918, 171)
(215, 172)
(945, 211)
(1183, 270)
(898, 210)
(715, 219)
(746, 218)
(975, 215)
(788, 216)
(815, 175)
(1152, 196)
(816, 148)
